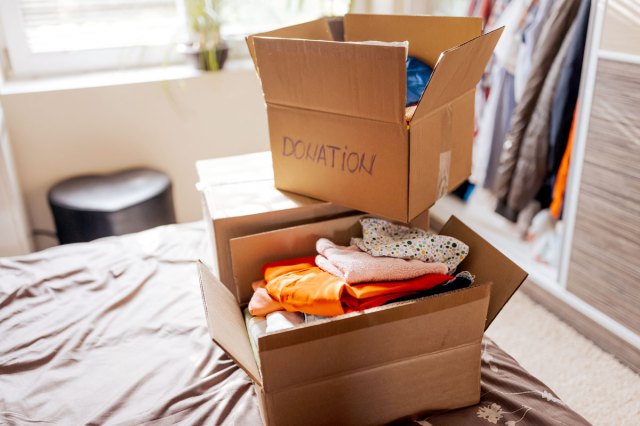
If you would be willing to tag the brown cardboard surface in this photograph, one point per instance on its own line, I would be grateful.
(348, 160)
(373, 339)
(428, 36)
(239, 198)
(462, 140)
(313, 30)
(424, 163)
(435, 169)
(251, 252)
(491, 265)
(235, 169)
(421, 221)
(226, 324)
(458, 70)
(442, 380)
(353, 79)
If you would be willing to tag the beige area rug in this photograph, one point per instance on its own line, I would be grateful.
(589, 380)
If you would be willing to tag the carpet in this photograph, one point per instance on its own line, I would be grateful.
(589, 380)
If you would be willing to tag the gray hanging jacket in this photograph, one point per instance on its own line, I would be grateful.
(551, 38)
(533, 161)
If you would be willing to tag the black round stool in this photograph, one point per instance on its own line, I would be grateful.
(93, 206)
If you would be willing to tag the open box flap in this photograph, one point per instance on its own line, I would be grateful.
(250, 253)
(350, 79)
(428, 36)
(457, 71)
(226, 324)
(318, 29)
(488, 265)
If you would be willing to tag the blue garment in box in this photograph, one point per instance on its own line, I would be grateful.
(418, 75)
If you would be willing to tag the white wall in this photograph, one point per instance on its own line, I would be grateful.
(163, 124)
(14, 229)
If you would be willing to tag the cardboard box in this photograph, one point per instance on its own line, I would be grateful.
(385, 364)
(239, 198)
(336, 109)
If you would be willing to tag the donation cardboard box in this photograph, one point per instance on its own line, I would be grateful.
(239, 198)
(336, 108)
(384, 364)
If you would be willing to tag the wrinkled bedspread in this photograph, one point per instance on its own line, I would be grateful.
(113, 332)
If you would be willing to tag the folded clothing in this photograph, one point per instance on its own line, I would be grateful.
(283, 320)
(462, 280)
(261, 303)
(355, 266)
(383, 238)
(276, 321)
(304, 287)
(418, 76)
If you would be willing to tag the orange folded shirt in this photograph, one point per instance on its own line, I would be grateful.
(300, 286)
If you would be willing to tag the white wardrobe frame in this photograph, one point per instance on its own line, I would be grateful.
(593, 53)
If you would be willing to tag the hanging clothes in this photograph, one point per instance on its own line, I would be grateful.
(484, 86)
(565, 98)
(531, 165)
(554, 31)
(537, 15)
(559, 189)
(496, 115)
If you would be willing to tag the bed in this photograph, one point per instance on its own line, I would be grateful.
(113, 332)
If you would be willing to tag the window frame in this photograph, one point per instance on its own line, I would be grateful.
(26, 64)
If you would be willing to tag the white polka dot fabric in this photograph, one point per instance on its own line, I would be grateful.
(383, 238)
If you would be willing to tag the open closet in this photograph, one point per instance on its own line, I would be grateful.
(569, 214)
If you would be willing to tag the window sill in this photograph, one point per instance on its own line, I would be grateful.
(115, 78)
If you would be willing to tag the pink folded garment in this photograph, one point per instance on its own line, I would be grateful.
(261, 302)
(355, 266)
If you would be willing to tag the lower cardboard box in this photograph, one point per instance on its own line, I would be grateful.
(384, 364)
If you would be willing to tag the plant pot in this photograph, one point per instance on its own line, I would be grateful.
(201, 58)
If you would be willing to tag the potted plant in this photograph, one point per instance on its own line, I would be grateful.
(206, 48)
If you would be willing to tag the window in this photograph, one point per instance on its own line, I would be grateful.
(60, 36)
(45, 37)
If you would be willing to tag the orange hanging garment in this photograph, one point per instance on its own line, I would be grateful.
(300, 286)
(560, 186)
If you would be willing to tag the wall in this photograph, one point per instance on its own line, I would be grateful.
(168, 125)
(14, 229)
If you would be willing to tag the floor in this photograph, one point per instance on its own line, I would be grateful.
(589, 380)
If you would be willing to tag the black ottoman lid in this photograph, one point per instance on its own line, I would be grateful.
(109, 192)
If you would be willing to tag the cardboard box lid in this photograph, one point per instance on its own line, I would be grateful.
(302, 67)
(353, 79)
(226, 323)
(428, 36)
(492, 266)
(457, 71)
(318, 29)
